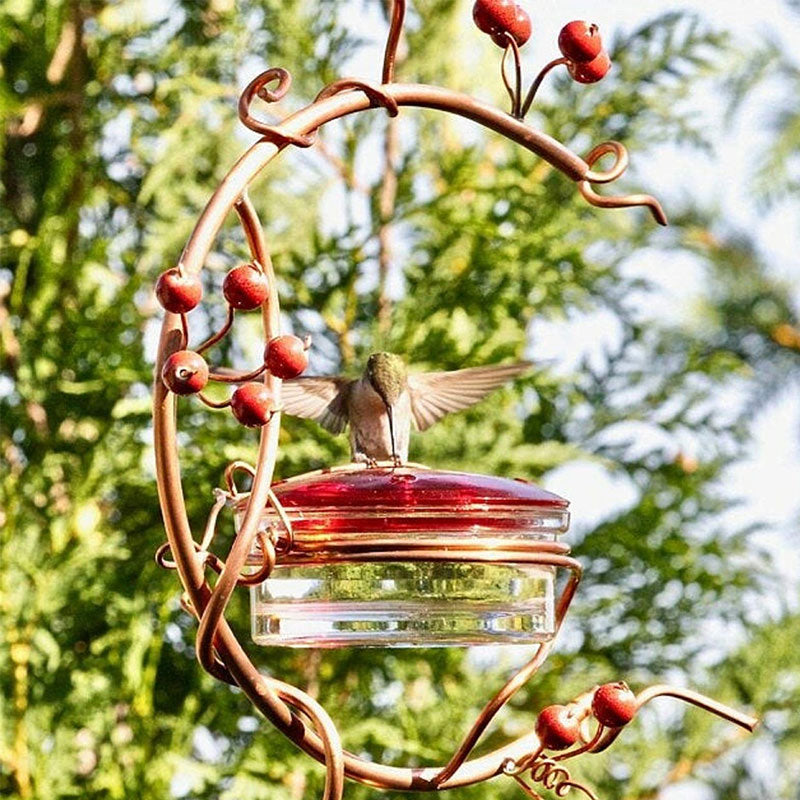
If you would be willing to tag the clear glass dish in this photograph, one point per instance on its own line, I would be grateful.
(408, 557)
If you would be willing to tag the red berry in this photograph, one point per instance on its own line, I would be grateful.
(178, 292)
(185, 372)
(519, 29)
(286, 356)
(579, 41)
(252, 404)
(557, 728)
(591, 71)
(614, 704)
(245, 287)
(491, 15)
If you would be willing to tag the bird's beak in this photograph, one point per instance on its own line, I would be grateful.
(391, 428)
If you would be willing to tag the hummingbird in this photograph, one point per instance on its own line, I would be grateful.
(381, 406)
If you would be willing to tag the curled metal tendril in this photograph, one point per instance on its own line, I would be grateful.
(230, 476)
(259, 87)
(268, 559)
(376, 95)
(616, 170)
(547, 773)
(209, 559)
(607, 176)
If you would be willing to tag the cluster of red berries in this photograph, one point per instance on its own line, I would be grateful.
(186, 372)
(253, 404)
(579, 41)
(285, 357)
(501, 19)
(613, 705)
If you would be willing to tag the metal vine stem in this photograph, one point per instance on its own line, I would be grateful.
(293, 712)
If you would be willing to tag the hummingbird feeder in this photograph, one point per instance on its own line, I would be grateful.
(409, 556)
(380, 554)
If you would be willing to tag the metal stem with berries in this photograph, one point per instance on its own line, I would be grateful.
(510, 28)
(588, 724)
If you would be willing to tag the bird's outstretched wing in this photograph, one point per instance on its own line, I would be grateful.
(434, 394)
(321, 399)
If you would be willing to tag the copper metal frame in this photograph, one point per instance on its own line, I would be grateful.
(294, 713)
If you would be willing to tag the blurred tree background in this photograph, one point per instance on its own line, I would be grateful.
(118, 121)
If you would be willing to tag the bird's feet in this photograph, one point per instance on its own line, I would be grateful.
(373, 463)
(361, 458)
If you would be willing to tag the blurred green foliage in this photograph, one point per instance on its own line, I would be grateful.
(118, 122)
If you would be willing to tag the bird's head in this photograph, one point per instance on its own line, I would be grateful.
(387, 375)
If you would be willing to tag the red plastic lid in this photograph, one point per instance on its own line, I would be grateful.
(409, 489)
(411, 500)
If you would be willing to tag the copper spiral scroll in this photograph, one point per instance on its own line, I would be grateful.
(293, 712)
